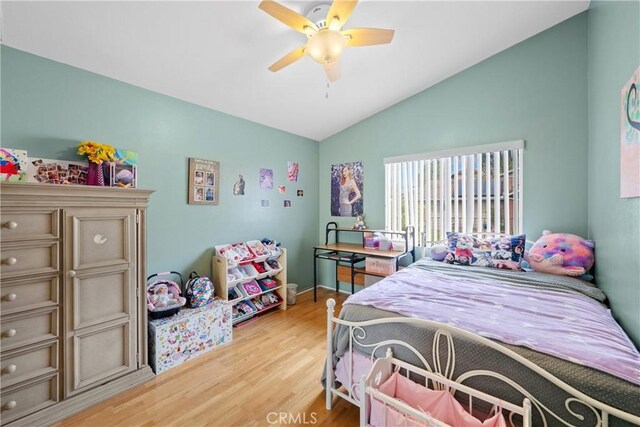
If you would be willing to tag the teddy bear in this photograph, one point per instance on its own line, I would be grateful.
(563, 254)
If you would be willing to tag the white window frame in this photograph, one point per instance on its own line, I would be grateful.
(411, 190)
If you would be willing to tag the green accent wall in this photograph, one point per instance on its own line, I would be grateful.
(535, 91)
(49, 107)
(614, 223)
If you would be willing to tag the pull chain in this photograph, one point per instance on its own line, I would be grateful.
(327, 93)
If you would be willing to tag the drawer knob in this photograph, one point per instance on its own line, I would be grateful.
(10, 369)
(71, 273)
(9, 333)
(10, 261)
(9, 405)
(10, 297)
(11, 225)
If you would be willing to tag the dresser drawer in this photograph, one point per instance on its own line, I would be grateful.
(28, 398)
(20, 225)
(20, 295)
(34, 258)
(24, 364)
(31, 328)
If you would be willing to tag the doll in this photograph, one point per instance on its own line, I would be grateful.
(161, 296)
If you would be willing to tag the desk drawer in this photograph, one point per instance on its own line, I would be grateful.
(20, 225)
(31, 328)
(20, 295)
(25, 364)
(35, 258)
(28, 398)
(344, 275)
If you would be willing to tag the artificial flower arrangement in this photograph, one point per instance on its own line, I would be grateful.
(97, 152)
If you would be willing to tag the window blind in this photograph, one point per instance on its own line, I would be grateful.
(473, 190)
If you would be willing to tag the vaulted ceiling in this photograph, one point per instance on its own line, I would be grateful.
(216, 53)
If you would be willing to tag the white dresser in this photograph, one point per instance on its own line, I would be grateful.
(73, 313)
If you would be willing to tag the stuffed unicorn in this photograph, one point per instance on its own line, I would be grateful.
(561, 253)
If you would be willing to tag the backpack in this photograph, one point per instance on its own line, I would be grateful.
(199, 290)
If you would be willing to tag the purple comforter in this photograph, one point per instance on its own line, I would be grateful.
(524, 309)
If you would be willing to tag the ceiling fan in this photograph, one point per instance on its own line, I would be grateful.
(326, 39)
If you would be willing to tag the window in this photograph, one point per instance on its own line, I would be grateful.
(470, 190)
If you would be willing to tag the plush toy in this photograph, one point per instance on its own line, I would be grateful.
(561, 253)
(359, 225)
(438, 252)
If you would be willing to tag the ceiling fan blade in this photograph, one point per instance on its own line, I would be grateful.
(288, 59)
(333, 70)
(367, 36)
(288, 17)
(342, 10)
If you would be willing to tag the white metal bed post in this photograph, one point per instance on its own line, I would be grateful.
(364, 402)
(527, 413)
(331, 305)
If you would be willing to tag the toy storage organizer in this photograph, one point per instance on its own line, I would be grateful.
(391, 397)
(252, 286)
(190, 333)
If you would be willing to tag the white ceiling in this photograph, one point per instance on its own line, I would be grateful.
(216, 53)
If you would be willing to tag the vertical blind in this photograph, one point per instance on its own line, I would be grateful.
(472, 190)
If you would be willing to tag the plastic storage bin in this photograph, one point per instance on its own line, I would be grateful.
(376, 265)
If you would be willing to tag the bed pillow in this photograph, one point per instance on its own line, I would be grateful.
(503, 252)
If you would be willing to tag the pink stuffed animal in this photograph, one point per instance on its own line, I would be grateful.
(561, 253)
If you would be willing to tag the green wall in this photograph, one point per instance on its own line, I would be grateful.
(536, 91)
(614, 223)
(48, 107)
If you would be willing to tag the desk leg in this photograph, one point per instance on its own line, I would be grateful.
(353, 277)
(315, 276)
(337, 281)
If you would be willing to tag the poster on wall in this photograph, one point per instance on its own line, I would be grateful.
(630, 137)
(238, 186)
(347, 188)
(266, 179)
(292, 171)
(204, 182)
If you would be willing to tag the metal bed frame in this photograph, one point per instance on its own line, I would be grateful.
(443, 366)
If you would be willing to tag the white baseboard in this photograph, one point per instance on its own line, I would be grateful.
(342, 291)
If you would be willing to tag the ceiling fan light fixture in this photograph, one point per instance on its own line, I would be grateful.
(325, 46)
(334, 23)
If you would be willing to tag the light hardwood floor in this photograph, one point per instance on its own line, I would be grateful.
(273, 365)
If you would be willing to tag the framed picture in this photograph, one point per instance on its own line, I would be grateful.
(123, 175)
(204, 182)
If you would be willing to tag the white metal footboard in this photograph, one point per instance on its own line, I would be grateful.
(444, 365)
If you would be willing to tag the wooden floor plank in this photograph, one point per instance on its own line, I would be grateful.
(273, 365)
